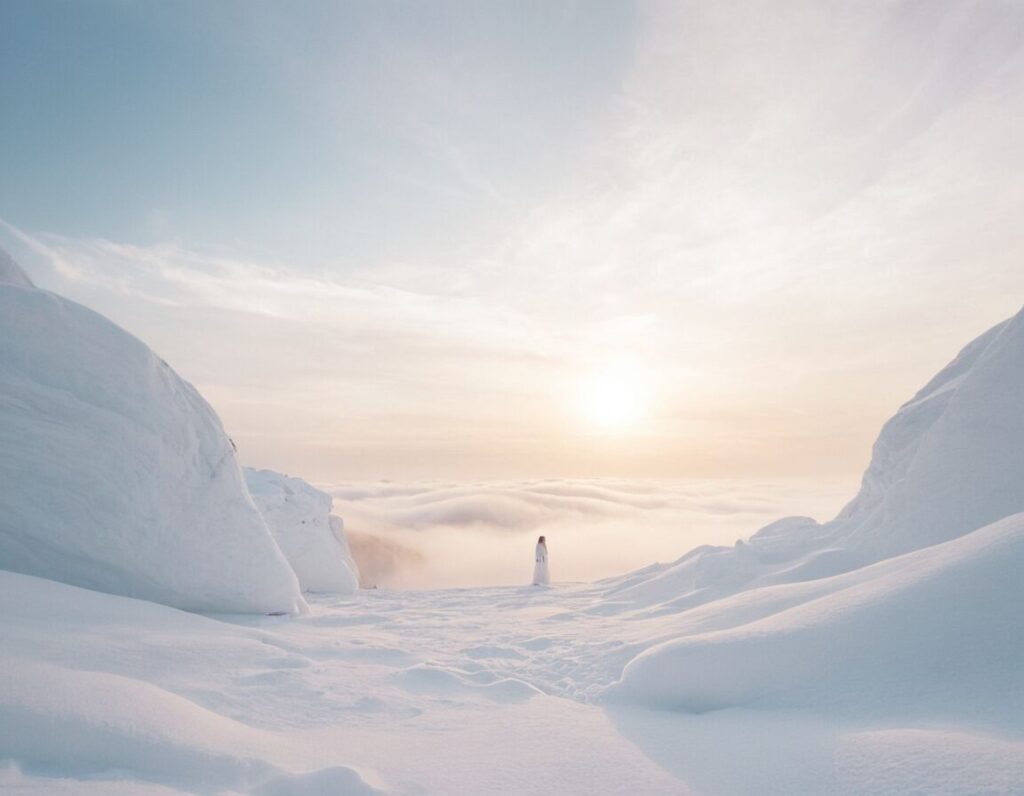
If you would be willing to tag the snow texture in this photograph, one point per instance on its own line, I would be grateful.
(115, 474)
(880, 652)
(313, 540)
(926, 635)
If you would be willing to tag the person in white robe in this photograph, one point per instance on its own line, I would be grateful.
(541, 575)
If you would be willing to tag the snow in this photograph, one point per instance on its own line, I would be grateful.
(407, 693)
(115, 474)
(926, 634)
(950, 461)
(880, 652)
(311, 538)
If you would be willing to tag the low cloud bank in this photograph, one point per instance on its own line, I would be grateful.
(434, 535)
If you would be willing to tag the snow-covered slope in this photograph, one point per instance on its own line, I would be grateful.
(904, 605)
(96, 685)
(952, 458)
(950, 461)
(931, 634)
(311, 538)
(115, 474)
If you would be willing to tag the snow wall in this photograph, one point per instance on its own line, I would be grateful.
(115, 474)
(908, 600)
(311, 538)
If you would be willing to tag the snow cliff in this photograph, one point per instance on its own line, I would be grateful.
(115, 474)
(311, 538)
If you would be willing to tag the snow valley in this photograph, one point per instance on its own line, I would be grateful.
(173, 623)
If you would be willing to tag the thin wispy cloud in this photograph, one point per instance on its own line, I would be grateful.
(762, 210)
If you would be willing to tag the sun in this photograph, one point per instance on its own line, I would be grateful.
(616, 399)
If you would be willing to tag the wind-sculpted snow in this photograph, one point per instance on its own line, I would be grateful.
(311, 538)
(124, 696)
(931, 634)
(116, 475)
(952, 459)
(406, 693)
(902, 609)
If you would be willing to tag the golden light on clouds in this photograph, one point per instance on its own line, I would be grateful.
(617, 399)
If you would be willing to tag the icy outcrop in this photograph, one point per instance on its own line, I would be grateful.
(115, 474)
(311, 538)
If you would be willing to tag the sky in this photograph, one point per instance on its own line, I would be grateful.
(527, 240)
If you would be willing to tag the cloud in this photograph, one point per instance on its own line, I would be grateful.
(175, 276)
(791, 215)
(432, 535)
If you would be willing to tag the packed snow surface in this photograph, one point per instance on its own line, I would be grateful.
(512, 690)
(311, 538)
(115, 474)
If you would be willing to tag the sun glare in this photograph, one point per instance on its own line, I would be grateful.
(616, 400)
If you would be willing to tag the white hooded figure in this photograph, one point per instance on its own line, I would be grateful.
(541, 576)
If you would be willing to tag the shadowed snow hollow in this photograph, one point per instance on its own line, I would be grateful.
(311, 538)
(115, 474)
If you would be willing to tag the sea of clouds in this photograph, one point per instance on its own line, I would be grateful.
(434, 535)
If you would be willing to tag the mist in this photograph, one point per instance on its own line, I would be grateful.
(421, 535)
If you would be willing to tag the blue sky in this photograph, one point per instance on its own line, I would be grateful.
(338, 131)
(527, 239)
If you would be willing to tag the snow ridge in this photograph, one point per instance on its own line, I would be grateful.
(115, 474)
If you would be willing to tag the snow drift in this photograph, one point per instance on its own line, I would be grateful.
(311, 538)
(950, 461)
(107, 689)
(933, 634)
(906, 601)
(115, 474)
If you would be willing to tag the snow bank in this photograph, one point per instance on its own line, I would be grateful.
(106, 689)
(904, 603)
(951, 460)
(935, 633)
(115, 474)
(313, 541)
(84, 724)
